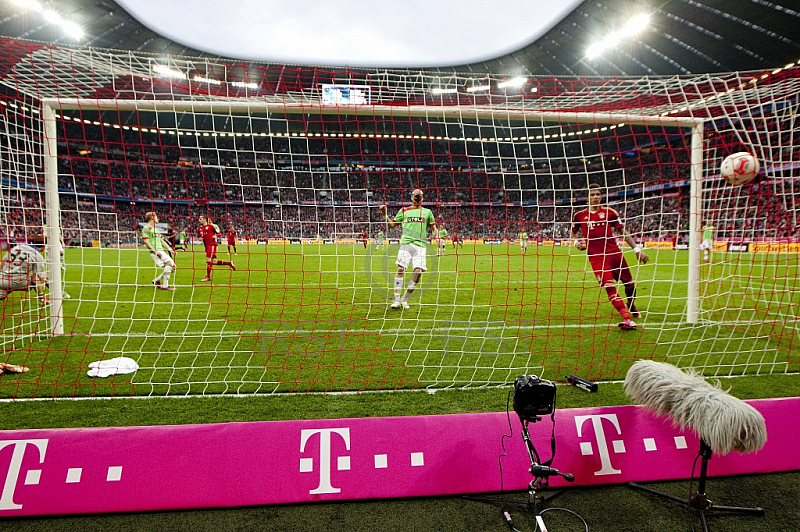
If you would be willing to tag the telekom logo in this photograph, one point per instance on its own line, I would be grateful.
(600, 440)
(340, 438)
(15, 467)
(342, 462)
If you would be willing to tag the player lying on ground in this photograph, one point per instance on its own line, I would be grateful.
(22, 269)
(415, 221)
(598, 224)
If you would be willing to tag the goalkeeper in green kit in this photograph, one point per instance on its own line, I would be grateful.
(415, 221)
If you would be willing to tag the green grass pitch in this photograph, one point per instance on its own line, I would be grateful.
(316, 317)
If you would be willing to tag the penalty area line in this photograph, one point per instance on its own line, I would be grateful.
(394, 330)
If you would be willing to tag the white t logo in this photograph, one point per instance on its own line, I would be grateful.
(600, 438)
(307, 464)
(14, 468)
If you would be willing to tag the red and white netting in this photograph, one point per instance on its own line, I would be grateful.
(297, 161)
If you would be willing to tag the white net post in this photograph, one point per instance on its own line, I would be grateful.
(50, 155)
(695, 225)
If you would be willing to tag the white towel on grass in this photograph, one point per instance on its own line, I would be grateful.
(112, 366)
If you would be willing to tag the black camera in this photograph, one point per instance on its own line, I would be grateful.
(533, 397)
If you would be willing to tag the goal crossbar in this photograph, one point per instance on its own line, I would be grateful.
(444, 111)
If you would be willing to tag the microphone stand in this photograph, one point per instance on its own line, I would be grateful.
(699, 500)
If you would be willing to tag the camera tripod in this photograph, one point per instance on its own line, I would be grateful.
(541, 475)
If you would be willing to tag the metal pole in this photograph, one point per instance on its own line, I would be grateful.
(50, 154)
(695, 225)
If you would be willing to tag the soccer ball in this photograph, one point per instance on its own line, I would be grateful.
(739, 168)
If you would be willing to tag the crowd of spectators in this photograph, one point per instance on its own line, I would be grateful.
(85, 219)
(290, 194)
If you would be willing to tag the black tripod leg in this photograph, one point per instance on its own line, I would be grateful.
(703, 521)
(739, 509)
(659, 493)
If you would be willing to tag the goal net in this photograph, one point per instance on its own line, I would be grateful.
(292, 166)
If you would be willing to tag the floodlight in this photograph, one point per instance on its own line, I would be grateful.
(634, 26)
(516, 82)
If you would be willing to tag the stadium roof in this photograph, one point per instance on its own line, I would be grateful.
(682, 37)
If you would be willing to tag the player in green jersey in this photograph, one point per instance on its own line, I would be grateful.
(415, 221)
(379, 240)
(182, 241)
(442, 239)
(708, 241)
(159, 251)
(523, 241)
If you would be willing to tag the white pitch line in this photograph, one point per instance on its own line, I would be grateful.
(409, 332)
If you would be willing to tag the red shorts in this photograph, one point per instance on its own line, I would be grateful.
(211, 252)
(231, 241)
(610, 268)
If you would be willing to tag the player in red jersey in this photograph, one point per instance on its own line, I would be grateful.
(598, 224)
(364, 238)
(231, 240)
(674, 238)
(208, 234)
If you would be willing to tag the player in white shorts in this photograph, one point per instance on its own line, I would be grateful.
(708, 241)
(21, 270)
(159, 251)
(415, 221)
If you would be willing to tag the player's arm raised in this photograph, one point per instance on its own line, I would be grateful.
(641, 256)
(391, 223)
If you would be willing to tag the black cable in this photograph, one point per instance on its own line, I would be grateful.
(503, 442)
(689, 511)
(510, 435)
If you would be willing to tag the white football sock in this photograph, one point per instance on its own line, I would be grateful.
(398, 287)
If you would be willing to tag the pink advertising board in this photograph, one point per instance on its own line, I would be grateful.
(70, 471)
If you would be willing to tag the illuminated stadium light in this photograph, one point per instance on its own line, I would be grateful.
(69, 27)
(476, 88)
(516, 82)
(245, 85)
(439, 90)
(634, 26)
(168, 72)
(201, 79)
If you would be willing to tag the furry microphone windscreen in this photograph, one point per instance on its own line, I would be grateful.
(724, 422)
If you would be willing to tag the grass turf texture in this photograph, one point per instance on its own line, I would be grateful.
(316, 317)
